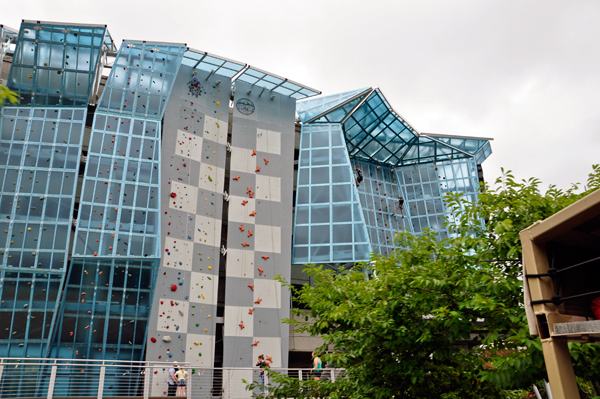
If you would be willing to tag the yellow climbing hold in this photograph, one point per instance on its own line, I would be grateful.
(206, 330)
(196, 343)
(210, 268)
(218, 103)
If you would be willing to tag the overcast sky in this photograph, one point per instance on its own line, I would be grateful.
(526, 73)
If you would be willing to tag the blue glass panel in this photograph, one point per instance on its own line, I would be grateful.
(141, 80)
(308, 109)
(39, 162)
(55, 65)
(105, 309)
(325, 211)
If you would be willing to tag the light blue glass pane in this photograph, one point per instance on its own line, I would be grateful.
(301, 235)
(302, 195)
(319, 234)
(319, 157)
(319, 139)
(319, 214)
(342, 213)
(319, 194)
(342, 252)
(340, 174)
(319, 175)
(319, 253)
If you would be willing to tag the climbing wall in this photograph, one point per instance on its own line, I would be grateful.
(379, 195)
(182, 324)
(259, 228)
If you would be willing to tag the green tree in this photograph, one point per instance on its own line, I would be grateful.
(404, 331)
(6, 95)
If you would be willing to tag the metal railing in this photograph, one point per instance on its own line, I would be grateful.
(59, 378)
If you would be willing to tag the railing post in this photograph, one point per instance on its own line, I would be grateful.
(1, 370)
(147, 376)
(300, 374)
(101, 381)
(52, 380)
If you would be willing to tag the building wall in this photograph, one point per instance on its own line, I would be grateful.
(259, 228)
(184, 316)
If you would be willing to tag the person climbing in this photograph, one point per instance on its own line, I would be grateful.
(359, 177)
(317, 369)
(181, 377)
(400, 207)
(262, 364)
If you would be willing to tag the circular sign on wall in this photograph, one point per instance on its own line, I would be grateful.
(245, 106)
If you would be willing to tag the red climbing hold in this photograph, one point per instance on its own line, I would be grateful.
(174, 287)
(173, 195)
(153, 339)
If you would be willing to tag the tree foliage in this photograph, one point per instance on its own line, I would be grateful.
(438, 318)
(6, 95)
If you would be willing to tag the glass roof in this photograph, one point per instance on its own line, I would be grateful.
(239, 71)
(374, 131)
(212, 63)
(308, 110)
(268, 81)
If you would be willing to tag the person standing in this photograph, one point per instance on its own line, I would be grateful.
(181, 376)
(262, 364)
(317, 367)
(172, 381)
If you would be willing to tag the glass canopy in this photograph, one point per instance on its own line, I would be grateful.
(374, 131)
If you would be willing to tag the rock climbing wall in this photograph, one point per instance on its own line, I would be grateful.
(182, 324)
(259, 229)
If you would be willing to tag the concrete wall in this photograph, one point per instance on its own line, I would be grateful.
(193, 173)
(259, 228)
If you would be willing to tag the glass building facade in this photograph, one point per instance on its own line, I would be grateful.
(115, 195)
(406, 175)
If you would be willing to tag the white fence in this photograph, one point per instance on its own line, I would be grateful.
(59, 378)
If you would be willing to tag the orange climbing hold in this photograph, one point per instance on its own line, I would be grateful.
(250, 233)
(251, 195)
(245, 244)
(253, 152)
(255, 342)
(241, 227)
(266, 161)
(251, 286)
(236, 177)
(258, 301)
(248, 190)
(253, 213)
(265, 257)
(269, 359)
(257, 169)
(251, 310)
(241, 325)
(244, 202)
(260, 271)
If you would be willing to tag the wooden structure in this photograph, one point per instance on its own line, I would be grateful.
(561, 261)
